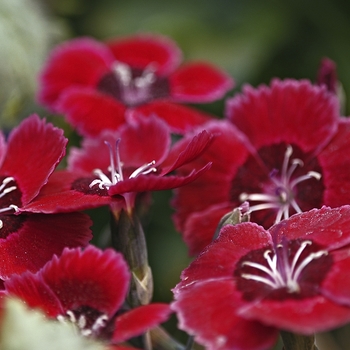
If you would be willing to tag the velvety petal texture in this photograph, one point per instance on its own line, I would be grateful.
(79, 62)
(267, 159)
(288, 277)
(276, 113)
(116, 166)
(34, 149)
(32, 240)
(88, 288)
(90, 278)
(98, 85)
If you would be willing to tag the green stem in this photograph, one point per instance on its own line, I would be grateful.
(129, 239)
(293, 341)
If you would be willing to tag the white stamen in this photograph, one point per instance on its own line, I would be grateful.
(283, 198)
(275, 278)
(144, 169)
(115, 168)
(100, 322)
(123, 73)
(134, 90)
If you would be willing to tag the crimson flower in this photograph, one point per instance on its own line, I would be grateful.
(27, 158)
(97, 85)
(254, 282)
(114, 167)
(88, 288)
(284, 149)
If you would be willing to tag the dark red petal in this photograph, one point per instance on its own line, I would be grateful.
(66, 202)
(208, 311)
(78, 62)
(227, 152)
(179, 118)
(145, 183)
(199, 82)
(303, 316)
(328, 227)
(335, 163)
(218, 259)
(200, 227)
(38, 238)
(139, 51)
(144, 140)
(187, 151)
(290, 111)
(139, 320)
(58, 197)
(34, 150)
(91, 112)
(33, 290)
(95, 278)
(336, 285)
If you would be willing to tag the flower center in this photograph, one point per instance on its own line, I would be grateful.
(133, 86)
(295, 267)
(89, 322)
(116, 169)
(281, 193)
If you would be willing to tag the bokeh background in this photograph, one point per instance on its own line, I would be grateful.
(253, 40)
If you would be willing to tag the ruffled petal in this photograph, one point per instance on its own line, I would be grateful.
(305, 316)
(34, 150)
(180, 118)
(94, 278)
(290, 111)
(218, 260)
(199, 82)
(91, 112)
(78, 62)
(33, 290)
(36, 238)
(139, 51)
(328, 227)
(139, 320)
(144, 140)
(145, 183)
(208, 311)
(335, 163)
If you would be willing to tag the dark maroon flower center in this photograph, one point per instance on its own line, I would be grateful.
(10, 201)
(292, 269)
(115, 173)
(133, 86)
(282, 182)
(89, 321)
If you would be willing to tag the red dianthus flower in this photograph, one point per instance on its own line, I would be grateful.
(97, 85)
(254, 282)
(87, 288)
(27, 159)
(284, 149)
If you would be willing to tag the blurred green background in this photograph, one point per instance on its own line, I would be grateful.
(253, 40)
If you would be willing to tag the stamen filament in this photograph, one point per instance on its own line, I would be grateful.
(281, 196)
(280, 273)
